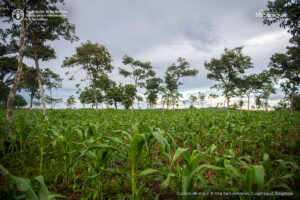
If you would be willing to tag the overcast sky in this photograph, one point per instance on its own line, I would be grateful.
(160, 31)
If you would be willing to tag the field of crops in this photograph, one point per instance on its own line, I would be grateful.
(169, 154)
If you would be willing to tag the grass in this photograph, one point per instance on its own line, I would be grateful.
(116, 155)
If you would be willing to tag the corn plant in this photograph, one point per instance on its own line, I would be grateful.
(25, 187)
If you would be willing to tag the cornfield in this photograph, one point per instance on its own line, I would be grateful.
(150, 154)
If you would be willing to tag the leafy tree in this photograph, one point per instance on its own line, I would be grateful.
(129, 94)
(201, 97)
(266, 87)
(87, 96)
(6, 8)
(33, 41)
(287, 67)
(193, 99)
(228, 70)
(139, 71)
(139, 99)
(115, 94)
(173, 76)
(95, 60)
(152, 86)
(288, 10)
(8, 69)
(241, 103)
(29, 83)
(212, 96)
(165, 97)
(247, 85)
(71, 101)
(53, 101)
(19, 101)
(52, 81)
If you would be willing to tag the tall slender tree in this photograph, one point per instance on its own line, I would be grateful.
(52, 81)
(29, 82)
(138, 73)
(228, 70)
(174, 74)
(287, 67)
(152, 86)
(201, 97)
(95, 60)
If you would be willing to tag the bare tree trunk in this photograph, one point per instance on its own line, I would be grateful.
(292, 100)
(266, 104)
(38, 71)
(116, 107)
(12, 93)
(95, 98)
(227, 99)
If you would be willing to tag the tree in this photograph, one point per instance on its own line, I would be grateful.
(241, 103)
(228, 70)
(258, 102)
(52, 81)
(174, 74)
(71, 101)
(95, 60)
(165, 97)
(266, 87)
(129, 94)
(29, 83)
(139, 99)
(115, 94)
(6, 8)
(8, 70)
(212, 96)
(53, 101)
(33, 41)
(286, 12)
(152, 86)
(201, 97)
(19, 101)
(139, 71)
(193, 99)
(287, 67)
(87, 96)
(247, 85)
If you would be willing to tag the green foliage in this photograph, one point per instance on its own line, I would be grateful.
(289, 11)
(117, 154)
(71, 101)
(24, 185)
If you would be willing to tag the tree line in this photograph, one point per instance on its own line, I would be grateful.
(32, 39)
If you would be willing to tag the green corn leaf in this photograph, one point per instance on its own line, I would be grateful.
(282, 185)
(287, 176)
(146, 172)
(44, 193)
(24, 185)
(259, 175)
(166, 183)
(178, 152)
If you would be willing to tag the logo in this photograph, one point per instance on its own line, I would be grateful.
(261, 13)
(18, 15)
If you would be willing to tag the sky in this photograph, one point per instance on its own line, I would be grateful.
(160, 31)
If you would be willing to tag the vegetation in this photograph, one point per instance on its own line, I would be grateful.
(143, 154)
(116, 154)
